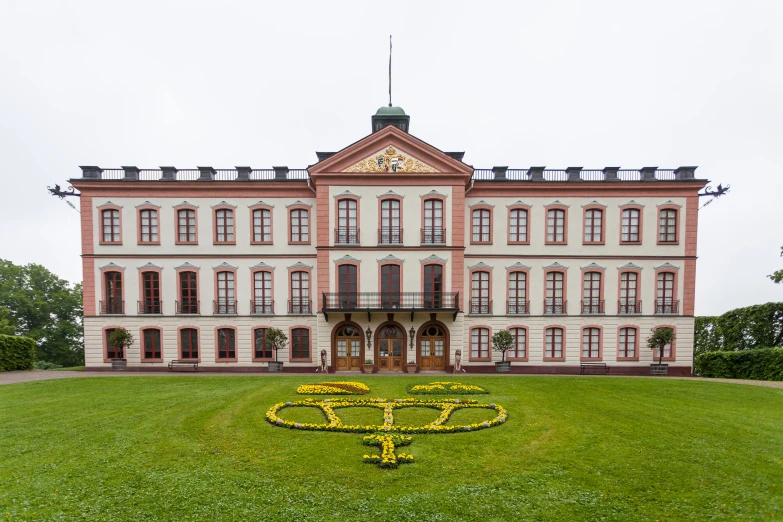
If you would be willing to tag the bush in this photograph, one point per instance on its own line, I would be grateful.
(746, 328)
(46, 365)
(16, 353)
(763, 364)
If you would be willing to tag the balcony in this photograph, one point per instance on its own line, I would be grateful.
(390, 236)
(629, 307)
(150, 307)
(300, 307)
(555, 306)
(667, 307)
(112, 307)
(433, 236)
(592, 306)
(517, 307)
(224, 307)
(480, 305)
(188, 307)
(262, 306)
(346, 236)
(390, 302)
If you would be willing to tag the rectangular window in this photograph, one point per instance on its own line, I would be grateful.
(479, 343)
(591, 342)
(150, 304)
(390, 286)
(479, 293)
(594, 226)
(667, 227)
(111, 226)
(188, 293)
(262, 226)
(433, 286)
(112, 288)
(347, 220)
(630, 226)
(226, 303)
(481, 226)
(433, 231)
(666, 303)
(260, 349)
(152, 343)
(186, 226)
(591, 290)
(555, 226)
(554, 343)
(226, 343)
(148, 226)
(628, 302)
(519, 348)
(390, 222)
(188, 343)
(262, 293)
(300, 226)
(627, 343)
(517, 293)
(300, 343)
(224, 226)
(300, 293)
(555, 284)
(517, 224)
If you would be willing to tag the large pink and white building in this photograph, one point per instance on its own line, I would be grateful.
(393, 236)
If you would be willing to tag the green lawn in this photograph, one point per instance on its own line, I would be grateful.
(594, 448)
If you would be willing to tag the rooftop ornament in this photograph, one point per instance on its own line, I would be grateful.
(62, 193)
(714, 194)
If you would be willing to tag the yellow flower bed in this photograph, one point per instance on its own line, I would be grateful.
(333, 388)
(442, 387)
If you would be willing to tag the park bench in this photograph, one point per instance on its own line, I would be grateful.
(593, 365)
(184, 364)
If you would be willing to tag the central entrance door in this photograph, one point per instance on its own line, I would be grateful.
(349, 344)
(433, 349)
(390, 345)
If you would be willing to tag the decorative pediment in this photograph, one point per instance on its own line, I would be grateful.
(150, 265)
(347, 258)
(224, 204)
(109, 204)
(187, 266)
(629, 266)
(297, 203)
(262, 265)
(391, 257)
(433, 257)
(390, 193)
(184, 204)
(555, 266)
(390, 160)
(593, 266)
(260, 203)
(225, 265)
(346, 193)
(147, 203)
(481, 265)
(481, 203)
(518, 266)
(632, 202)
(556, 203)
(299, 264)
(519, 203)
(594, 203)
(667, 266)
(434, 193)
(669, 203)
(112, 266)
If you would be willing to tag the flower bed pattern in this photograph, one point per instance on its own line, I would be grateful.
(445, 387)
(333, 388)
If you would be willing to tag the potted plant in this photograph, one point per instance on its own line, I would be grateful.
(659, 339)
(502, 340)
(412, 366)
(368, 366)
(276, 339)
(120, 337)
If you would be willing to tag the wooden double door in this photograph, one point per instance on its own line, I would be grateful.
(347, 350)
(433, 348)
(390, 349)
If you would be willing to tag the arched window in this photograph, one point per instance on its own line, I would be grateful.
(517, 226)
(390, 232)
(479, 293)
(390, 286)
(300, 226)
(188, 343)
(113, 351)
(517, 293)
(667, 226)
(591, 294)
(263, 303)
(262, 225)
(481, 226)
(433, 231)
(555, 226)
(186, 226)
(188, 293)
(479, 343)
(300, 343)
(151, 344)
(226, 343)
(348, 285)
(555, 300)
(260, 349)
(519, 348)
(433, 286)
(591, 343)
(627, 343)
(111, 226)
(224, 225)
(150, 286)
(553, 343)
(300, 292)
(628, 296)
(226, 299)
(112, 293)
(148, 226)
(594, 225)
(631, 226)
(666, 304)
(347, 220)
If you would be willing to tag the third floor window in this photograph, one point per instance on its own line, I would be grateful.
(300, 226)
(594, 226)
(517, 226)
(347, 221)
(481, 226)
(224, 226)
(667, 226)
(631, 226)
(433, 231)
(148, 226)
(111, 226)
(555, 226)
(186, 226)
(262, 226)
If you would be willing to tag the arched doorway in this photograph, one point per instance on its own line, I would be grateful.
(347, 347)
(390, 347)
(433, 347)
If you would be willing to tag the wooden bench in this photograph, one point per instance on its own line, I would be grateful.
(595, 365)
(184, 364)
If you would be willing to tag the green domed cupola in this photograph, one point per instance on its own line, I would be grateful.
(391, 116)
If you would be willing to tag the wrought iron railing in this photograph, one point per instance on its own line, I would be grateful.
(433, 235)
(390, 300)
(592, 306)
(346, 236)
(262, 306)
(555, 306)
(300, 306)
(480, 305)
(390, 235)
(187, 307)
(224, 307)
(150, 306)
(112, 306)
(517, 307)
(629, 307)
(667, 306)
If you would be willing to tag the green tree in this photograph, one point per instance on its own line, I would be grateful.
(660, 337)
(777, 276)
(502, 340)
(276, 339)
(44, 307)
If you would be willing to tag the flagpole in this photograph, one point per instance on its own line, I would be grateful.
(390, 56)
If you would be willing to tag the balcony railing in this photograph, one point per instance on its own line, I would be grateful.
(300, 306)
(390, 236)
(224, 307)
(188, 307)
(480, 305)
(592, 306)
(517, 307)
(629, 307)
(667, 306)
(390, 300)
(150, 306)
(112, 307)
(555, 306)
(346, 236)
(264, 306)
(433, 235)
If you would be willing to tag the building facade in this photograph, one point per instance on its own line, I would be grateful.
(393, 251)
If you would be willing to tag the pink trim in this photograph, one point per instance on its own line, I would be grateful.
(689, 268)
(527, 343)
(104, 337)
(636, 342)
(179, 343)
(291, 343)
(676, 210)
(457, 237)
(103, 209)
(233, 226)
(474, 209)
(641, 222)
(141, 344)
(550, 208)
(253, 345)
(673, 356)
(271, 225)
(565, 343)
(470, 343)
(309, 226)
(89, 300)
(124, 282)
(512, 208)
(600, 343)
(176, 224)
(139, 210)
(602, 210)
(217, 344)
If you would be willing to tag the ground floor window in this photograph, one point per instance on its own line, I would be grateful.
(260, 348)
(627, 343)
(300, 343)
(553, 347)
(113, 352)
(151, 340)
(519, 348)
(188, 343)
(479, 343)
(226, 338)
(591, 343)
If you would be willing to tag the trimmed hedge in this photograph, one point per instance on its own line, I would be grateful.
(16, 353)
(763, 364)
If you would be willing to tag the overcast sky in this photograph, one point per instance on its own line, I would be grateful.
(560, 84)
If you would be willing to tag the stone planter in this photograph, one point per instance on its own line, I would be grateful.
(503, 367)
(119, 364)
(368, 368)
(275, 366)
(659, 369)
(412, 368)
